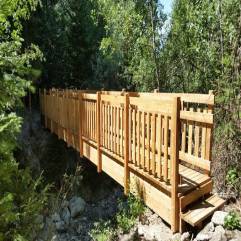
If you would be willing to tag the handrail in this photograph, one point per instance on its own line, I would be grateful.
(149, 133)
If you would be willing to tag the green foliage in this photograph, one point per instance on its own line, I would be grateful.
(22, 200)
(232, 176)
(126, 217)
(21, 197)
(232, 221)
(124, 220)
(130, 51)
(102, 231)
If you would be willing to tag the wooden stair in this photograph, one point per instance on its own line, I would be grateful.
(202, 209)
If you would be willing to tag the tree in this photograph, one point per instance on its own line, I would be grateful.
(20, 199)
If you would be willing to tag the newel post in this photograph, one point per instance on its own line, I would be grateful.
(175, 164)
(80, 121)
(98, 105)
(126, 146)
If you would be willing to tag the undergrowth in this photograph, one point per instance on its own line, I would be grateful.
(128, 214)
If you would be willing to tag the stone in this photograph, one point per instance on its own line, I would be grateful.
(56, 217)
(129, 236)
(218, 217)
(185, 236)
(219, 234)
(176, 237)
(55, 238)
(203, 237)
(233, 235)
(154, 232)
(65, 214)
(60, 226)
(76, 206)
(65, 204)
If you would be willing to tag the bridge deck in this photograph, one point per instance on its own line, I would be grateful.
(156, 145)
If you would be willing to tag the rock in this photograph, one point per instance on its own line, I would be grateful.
(218, 217)
(76, 206)
(208, 228)
(60, 226)
(185, 236)
(55, 238)
(129, 236)
(219, 234)
(154, 232)
(206, 232)
(203, 237)
(56, 218)
(65, 204)
(233, 235)
(65, 214)
(176, 237)
(58, 222)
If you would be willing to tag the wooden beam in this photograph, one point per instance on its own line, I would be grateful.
(98, 124)
(126, 146)
(202, 117)
(175, 164)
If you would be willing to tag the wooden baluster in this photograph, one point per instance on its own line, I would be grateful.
(143, 141)
(45, 109)
(153, 146)
(103, 123)
(118, 131)
(175, 164)
(190, 134)
(204, 134)
(184, 133)
(138, 138)
(159, 145)
(165, 164)
(81, 120)
(98, 124)
(197, 134)
(126, 144)
(51, 113)
(121, 122)
(134, 135)
(148, 142)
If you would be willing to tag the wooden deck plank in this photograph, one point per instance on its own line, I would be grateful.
(197, 213)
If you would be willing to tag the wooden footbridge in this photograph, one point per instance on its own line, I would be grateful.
(156, 145)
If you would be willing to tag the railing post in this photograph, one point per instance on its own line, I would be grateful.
(126, 146)
(98, 105)
(175, 164)
(80, 121)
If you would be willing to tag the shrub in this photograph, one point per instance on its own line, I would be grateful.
(129, 212)
(232, 221)
(21, 201)
(102, 231)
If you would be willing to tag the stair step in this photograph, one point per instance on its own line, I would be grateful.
(202, 209)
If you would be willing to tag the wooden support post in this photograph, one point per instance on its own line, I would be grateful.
(209, 136)
(45, 109)
(98, 124)
(80, 121)
(126, 146)
(175, 216)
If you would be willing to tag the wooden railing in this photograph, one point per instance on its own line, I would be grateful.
(148, 133)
